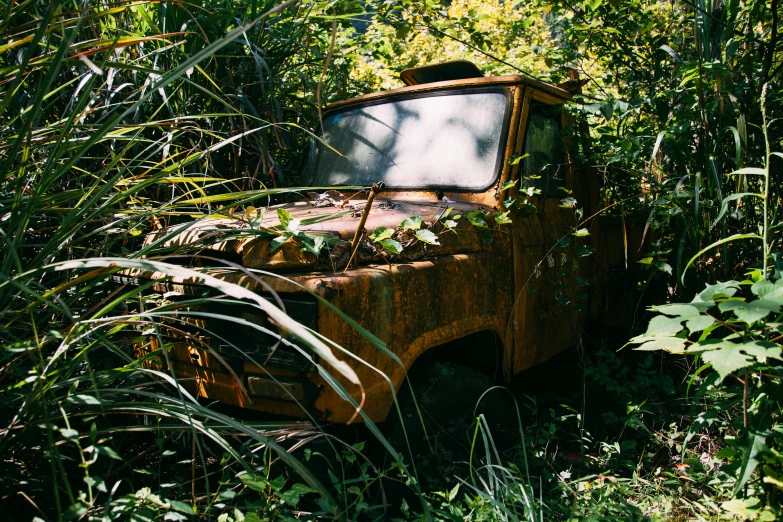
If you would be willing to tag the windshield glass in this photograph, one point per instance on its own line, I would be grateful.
(450, 140)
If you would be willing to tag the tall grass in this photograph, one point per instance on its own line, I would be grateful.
(118, 119)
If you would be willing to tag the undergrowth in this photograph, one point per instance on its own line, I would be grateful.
(119, 119)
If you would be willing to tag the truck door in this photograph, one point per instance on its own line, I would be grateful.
(545, 317)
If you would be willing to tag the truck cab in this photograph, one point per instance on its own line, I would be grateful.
(469, 236)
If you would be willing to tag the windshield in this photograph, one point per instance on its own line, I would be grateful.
(451, 140)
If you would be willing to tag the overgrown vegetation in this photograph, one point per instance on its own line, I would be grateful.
(121, 118)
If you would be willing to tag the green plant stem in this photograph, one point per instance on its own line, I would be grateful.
(765, 236)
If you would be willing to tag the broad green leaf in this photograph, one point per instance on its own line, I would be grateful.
(254, 483)
(476, 218)
(449, 223)
(182, 507)
(391, 245)
(718, 290)
(312, 244)
(743, 508)
(762, 288)
(427, 236)
(660, 325)
(381, 233)
(749, 312)
(699, 323)
(292, 495)
(727, 357)
(667, 344)
(411, 223)
(681, 310)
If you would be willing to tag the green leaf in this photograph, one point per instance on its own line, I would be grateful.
(749, 312)
(453, 492)
(85, 399)
(427, 236)
(312, 244)
(681, 310)
(699, 323)
(182, 507)
(667, 344)
(727, 357)
(661, 325)
(449, 223)
(762, 288)
(501, 218)
(664, 267)
(728, 199)
(70, 434)
(277, 242)
(582, 232)
(750, 459)
(292, 495)
(411, 223)
(744, 508)
(716, 291)
(254, 483)
(277, 483)
(508, 184)
(517, 159)
(75, 511)
(749, 171)
(380, 234)
(391, 245)
(476, 218)
(108, 452)
(284, 216)
(567, 203)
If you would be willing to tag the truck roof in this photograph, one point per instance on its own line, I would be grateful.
(465, 74)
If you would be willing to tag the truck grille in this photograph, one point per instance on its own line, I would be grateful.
(207, 325)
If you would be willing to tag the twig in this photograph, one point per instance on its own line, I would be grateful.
(376, 187)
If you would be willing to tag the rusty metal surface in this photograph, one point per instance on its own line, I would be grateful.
(426, 297)
(518, 81)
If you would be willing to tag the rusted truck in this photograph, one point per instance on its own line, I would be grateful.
(502, 282)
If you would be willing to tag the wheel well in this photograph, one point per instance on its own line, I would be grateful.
(481, 350)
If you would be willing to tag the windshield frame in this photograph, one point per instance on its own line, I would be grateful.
(504, 133)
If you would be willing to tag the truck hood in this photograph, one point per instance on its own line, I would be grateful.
(248, 242)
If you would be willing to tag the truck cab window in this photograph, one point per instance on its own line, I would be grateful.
(544, 146)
